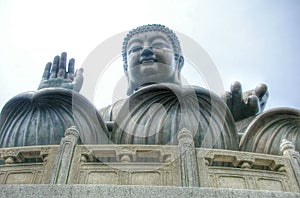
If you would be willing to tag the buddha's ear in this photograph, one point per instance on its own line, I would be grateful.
(125, 68)
(126, 73)
(180, 62)
(129, 89)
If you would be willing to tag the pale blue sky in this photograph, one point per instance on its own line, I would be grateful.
(251, 41)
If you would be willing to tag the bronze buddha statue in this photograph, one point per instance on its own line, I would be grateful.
(158, 105)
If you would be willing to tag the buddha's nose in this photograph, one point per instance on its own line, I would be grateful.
(147, 52)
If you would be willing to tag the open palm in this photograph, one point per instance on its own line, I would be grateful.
(57, 75)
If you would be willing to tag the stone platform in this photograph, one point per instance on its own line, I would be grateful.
(82, 191)
(72, 170)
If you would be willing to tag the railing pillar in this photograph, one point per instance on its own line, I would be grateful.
(288, 150)
(189, 171)
(64, 159)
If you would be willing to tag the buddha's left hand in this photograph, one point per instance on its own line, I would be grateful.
(244, 105)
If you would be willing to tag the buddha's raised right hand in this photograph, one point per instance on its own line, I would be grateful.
(56, 75)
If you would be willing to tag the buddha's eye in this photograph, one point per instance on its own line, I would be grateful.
(159, 45)
(134, 49)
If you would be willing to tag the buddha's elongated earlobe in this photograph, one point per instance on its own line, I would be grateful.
(130, 88)
(180, 62)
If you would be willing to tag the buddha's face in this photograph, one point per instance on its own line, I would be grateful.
(151, 59)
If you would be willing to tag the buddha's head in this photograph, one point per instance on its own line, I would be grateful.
(151, 54)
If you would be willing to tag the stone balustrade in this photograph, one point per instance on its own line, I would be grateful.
(154, 165)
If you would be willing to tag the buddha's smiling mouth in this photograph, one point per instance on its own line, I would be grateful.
(146, 61)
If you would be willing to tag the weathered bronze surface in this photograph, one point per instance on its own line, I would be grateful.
(267, 131)
(41, 118)
(156, 113)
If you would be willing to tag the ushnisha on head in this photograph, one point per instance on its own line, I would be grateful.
(151, 54)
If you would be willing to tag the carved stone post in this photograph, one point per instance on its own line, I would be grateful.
(288, 150)
(189, 171)
(64, 158)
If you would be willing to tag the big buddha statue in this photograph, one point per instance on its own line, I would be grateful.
(157, 108)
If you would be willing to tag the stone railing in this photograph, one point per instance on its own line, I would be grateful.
(155, 165)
